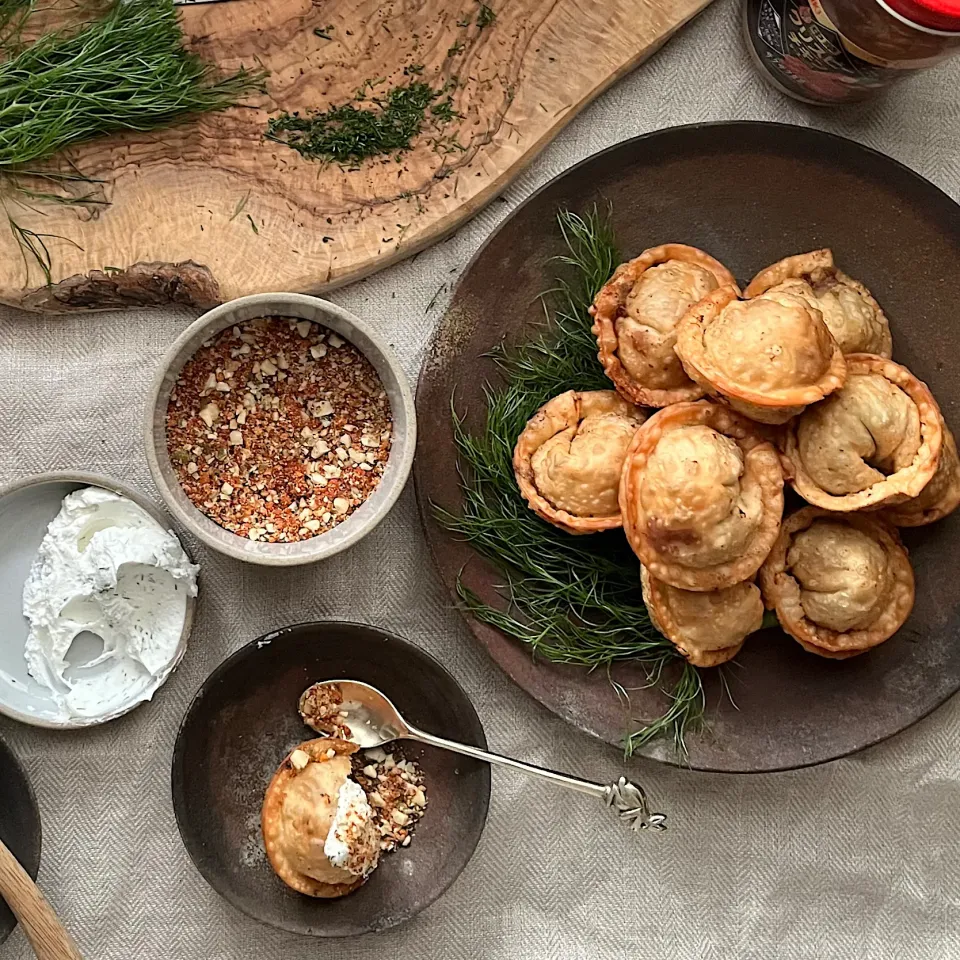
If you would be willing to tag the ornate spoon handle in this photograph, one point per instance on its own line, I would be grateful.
(627, 799)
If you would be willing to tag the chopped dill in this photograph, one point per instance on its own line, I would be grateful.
(241, 204)
(349, 133)
(573, 600)
(323, 32)
(486, 16)
(253, 225)
(455, 49)
(444, 111)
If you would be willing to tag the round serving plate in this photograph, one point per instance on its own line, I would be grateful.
(19, 825)
(749, 193)
(243, 723)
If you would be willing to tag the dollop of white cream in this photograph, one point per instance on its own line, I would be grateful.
(105, 567)
(352, 842)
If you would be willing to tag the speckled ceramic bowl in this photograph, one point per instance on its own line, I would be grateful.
(368, 514)
(26, 509)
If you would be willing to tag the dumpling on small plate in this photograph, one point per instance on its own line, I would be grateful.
(568, 458)
(635, 318)
(707, 628)
(849, 309)
(318, 827)
(839, 583)
(875, 442)
(701, 496)
(768, 358)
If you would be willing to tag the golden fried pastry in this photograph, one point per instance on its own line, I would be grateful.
(939, 498)
(876, 441)
(768, 358)
(840, 583)
(318, 827)
(707, 628)
(636, 315)
(567, 460)
(849, 310)
(701, 496)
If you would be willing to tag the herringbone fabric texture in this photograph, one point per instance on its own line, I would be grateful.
(856, 859)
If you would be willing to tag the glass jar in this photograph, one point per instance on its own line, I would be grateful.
(842, 51)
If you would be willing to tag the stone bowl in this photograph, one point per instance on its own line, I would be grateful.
(391, 375)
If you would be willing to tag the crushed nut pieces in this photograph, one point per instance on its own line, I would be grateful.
(395, 789)
(278, 429)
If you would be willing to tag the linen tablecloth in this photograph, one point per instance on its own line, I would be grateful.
(857, 858)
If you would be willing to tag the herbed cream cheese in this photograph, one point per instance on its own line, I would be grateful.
(105, 567)
(352, 842)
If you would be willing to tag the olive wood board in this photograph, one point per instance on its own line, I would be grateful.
(210, 210)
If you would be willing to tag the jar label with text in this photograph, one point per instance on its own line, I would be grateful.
(797, 43)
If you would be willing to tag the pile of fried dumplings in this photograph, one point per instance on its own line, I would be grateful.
(720, 398)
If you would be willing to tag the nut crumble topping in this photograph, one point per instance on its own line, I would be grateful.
(278, 429)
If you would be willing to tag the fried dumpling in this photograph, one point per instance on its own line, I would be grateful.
(851, 313)
(701, 496)
(875, 441)
(939, 498)
(568, 458)
(840, 583)
(318, 828)
(768, 357)
(635, 319)
(708, 628)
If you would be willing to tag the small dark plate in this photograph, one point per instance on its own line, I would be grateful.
(749, 193)
(19, 824)
(244, 721)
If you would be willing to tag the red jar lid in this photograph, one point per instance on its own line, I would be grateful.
(934, 14)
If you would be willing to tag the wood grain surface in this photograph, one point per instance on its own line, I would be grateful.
(210, 210)
(47, 935)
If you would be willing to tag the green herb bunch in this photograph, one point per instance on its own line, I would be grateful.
(572, 599)
(126, 71)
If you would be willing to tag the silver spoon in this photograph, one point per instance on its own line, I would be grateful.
(374, 721)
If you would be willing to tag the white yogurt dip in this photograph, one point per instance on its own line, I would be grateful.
(108, 570)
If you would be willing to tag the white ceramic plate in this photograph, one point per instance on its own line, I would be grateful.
(26, 509)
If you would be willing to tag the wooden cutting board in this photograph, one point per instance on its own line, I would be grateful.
(210, 210)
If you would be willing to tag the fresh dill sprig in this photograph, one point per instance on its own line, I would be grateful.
(128, 70)
(33, 248)
(572, 599)
(13, 17)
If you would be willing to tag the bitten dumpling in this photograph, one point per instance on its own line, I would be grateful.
(840, 583)
(851, 313)
(318, 827)
(636, 315)
(568, 458)
(707, 628)
(876, 441)
(701, 496)
(768, 358)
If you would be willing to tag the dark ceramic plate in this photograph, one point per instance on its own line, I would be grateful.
(19, 824)
(749, 193)
(244, 721)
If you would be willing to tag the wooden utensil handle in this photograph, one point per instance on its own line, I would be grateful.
(47, 935)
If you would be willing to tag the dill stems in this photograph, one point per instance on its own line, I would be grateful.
(572, 599)
(126, 71)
